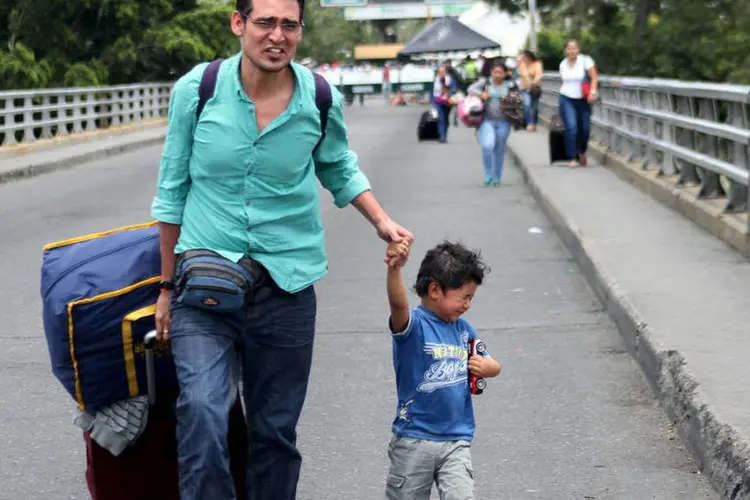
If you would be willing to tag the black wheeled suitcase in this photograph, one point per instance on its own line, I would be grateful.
(147, 469)
(557, 139)
(427, 130)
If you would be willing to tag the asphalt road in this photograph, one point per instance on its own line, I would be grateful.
(570, 417)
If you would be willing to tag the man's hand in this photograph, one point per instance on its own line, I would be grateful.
(163, 319)
(485, 96)
(483, 366)
(391, 232)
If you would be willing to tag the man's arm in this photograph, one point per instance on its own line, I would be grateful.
(168, 236)
(338, 170)
(173, 184)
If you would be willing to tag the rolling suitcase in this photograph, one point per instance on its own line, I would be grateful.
(147, 469)
(427, 130)
(557, 140)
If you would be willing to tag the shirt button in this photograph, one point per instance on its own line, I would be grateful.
(249, 228)
(247, 203)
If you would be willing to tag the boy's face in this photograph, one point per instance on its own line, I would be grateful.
(452, 303)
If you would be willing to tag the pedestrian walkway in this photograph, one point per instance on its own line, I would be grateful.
(570, 417)
(75, 151)
(680, 296)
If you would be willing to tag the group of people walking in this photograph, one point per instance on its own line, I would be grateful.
(578, 92)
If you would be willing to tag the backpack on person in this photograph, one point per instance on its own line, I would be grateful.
(323, 96)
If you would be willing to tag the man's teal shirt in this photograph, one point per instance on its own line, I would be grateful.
(241, 193)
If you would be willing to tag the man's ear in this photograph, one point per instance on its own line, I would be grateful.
(237, 24)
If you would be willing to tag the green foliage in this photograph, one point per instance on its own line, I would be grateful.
(92, 74)
(101, 42)
(19, 68)
(328, 36)
(677, 39)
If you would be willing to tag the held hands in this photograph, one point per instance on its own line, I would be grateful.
(483, 366)
(397, 254)
(592, 98)
(391, 232)
(485, 96)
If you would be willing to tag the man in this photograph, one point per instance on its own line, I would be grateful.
(241, 181)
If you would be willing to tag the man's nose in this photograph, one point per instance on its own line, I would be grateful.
(277, 34)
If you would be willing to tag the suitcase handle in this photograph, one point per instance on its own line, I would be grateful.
(149, 342)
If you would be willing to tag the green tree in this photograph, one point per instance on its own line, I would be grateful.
(328, 36)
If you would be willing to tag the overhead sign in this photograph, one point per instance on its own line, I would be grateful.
(412, 10)
(449, 2)
(342, 3)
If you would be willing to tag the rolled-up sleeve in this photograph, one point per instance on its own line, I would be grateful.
(336, 165)
(174, 176)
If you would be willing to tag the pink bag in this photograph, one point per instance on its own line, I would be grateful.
(471, 111)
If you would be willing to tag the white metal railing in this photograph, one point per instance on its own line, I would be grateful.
(698, 132)
(28, 115)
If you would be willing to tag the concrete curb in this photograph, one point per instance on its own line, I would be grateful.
(44, 167)
(719, 451)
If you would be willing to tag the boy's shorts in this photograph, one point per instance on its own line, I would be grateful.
(416, 463)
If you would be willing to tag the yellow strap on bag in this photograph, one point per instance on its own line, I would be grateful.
(129, 349)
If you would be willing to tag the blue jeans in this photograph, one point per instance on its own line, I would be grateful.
(576, 115)
(493, 136)
(531, 108)
(443, 112)
(271, 344)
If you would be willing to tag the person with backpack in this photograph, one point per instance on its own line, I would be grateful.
(242, 245)
(498, 119)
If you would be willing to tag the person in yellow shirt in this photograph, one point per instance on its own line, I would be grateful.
(530, 70)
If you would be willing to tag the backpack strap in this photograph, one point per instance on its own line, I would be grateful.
(207, 86)
(323, 101)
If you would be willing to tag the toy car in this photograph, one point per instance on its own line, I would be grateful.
(476, 384)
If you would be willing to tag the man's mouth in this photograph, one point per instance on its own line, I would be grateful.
(275, 51)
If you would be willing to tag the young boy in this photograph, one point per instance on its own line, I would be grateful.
(434, 424)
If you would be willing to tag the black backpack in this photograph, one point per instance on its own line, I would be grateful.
(323, 97)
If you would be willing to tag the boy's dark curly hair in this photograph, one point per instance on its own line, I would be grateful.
(451, 265)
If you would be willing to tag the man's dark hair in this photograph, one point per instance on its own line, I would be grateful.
(450, 265)
(245, 7)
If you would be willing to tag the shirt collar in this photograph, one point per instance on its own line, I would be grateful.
(294, 105)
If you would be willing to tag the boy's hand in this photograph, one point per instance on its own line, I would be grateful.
(398, 253)
(483, 366)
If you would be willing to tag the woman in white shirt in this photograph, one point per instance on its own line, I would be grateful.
(575, 108)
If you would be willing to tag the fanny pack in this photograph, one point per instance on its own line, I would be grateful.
(214, 283)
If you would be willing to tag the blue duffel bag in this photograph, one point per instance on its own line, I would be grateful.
(99, 295)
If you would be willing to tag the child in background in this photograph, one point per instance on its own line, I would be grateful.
(434, 423)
